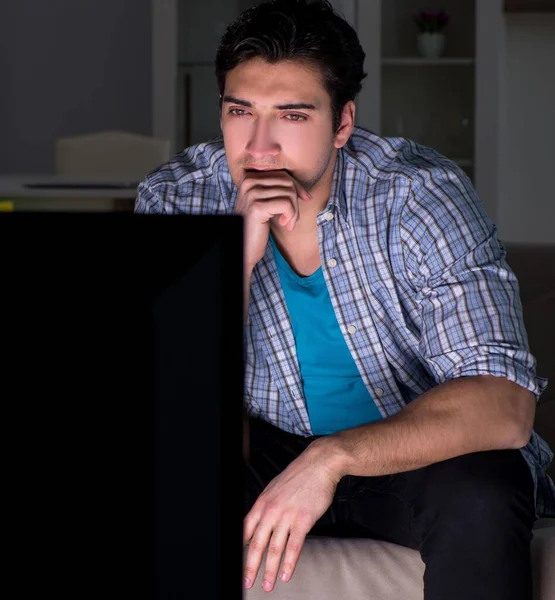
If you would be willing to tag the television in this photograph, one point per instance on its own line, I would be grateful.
(122, 384)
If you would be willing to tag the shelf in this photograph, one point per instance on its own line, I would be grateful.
(418, 61)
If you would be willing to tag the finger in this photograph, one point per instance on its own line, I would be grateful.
(250, 523)
(288, 221)
(288, 224)
(266, 178)
(276, 549)
(275, 178)
(262, 192)
(292, 552)
(302, 192)
(256, 550)
(285, 207)
(264, 210)
(292, 221)
(285, 175)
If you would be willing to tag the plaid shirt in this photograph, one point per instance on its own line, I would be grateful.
(416, 275)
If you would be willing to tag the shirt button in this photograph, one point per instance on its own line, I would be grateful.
(378, 392)
(332, 262)
(328, 216)
(351, 329)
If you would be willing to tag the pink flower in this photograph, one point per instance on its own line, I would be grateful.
(431, 21)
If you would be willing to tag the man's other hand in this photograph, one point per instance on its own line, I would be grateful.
(283, 515)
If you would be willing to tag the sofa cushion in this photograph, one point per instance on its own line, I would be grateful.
(364, 569)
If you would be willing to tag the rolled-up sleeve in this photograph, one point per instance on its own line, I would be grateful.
(468, 296)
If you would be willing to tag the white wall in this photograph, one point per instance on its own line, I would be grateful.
(201, 25)
(526, 203)
(71, 67)
(200, 28)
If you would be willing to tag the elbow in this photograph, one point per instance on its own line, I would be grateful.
(523, 419)
(515, 412)
(520, 440)
(521, 436)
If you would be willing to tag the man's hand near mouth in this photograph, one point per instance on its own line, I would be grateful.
(262, 196)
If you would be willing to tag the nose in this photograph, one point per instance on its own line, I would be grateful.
(262, 143)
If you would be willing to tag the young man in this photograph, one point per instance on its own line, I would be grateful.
(389, 385)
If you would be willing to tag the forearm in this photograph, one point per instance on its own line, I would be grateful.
(458, 417)
(246, 291)
(246, 297)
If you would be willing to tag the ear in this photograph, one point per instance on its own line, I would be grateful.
(346, 125)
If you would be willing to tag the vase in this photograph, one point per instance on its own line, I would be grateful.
(431, 45)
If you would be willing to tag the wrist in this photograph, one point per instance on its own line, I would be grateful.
(331, 452)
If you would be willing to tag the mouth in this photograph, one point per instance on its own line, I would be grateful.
(264, 169)
(261, 169)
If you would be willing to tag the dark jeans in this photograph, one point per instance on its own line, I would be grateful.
(470, 517)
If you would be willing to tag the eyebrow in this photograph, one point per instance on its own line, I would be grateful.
(292, 106)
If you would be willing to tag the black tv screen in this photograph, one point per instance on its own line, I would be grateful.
(122, 383)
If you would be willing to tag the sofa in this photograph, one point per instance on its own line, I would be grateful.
(365, 569)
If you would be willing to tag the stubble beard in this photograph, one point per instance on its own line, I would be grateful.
(323, 164)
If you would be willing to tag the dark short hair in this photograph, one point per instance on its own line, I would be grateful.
(308, 30)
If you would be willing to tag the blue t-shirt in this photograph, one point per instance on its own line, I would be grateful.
(335, 393)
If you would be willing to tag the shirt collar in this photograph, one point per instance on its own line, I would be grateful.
(337, 200)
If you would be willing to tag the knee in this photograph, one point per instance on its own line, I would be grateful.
(481, 488)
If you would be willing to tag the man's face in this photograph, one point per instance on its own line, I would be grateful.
(277, 116)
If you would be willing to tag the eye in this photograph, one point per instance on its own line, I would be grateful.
(237, 112)
(295, 117)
